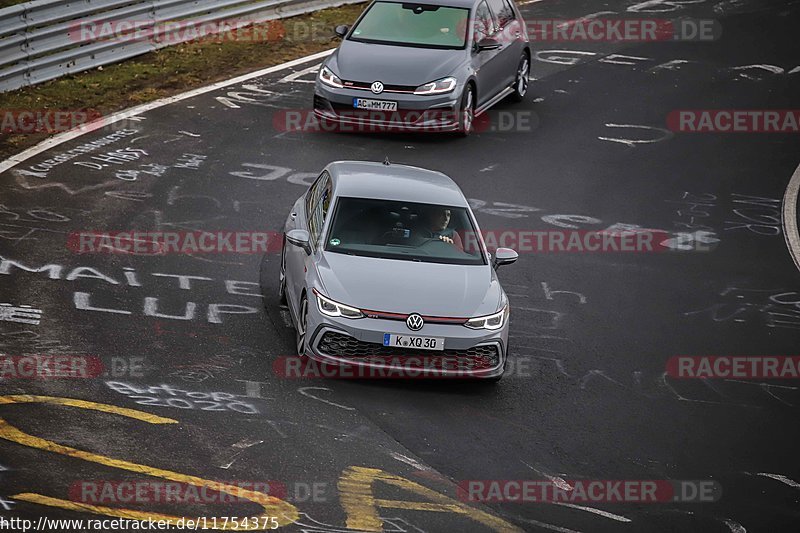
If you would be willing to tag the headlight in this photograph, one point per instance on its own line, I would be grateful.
(495, 321)
(327, 77)
(444, 85)
(329, 307)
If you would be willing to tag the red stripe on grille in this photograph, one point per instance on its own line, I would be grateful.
(403, 316)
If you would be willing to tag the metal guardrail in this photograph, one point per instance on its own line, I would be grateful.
(44, 39)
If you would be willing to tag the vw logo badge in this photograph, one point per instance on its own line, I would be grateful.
(376, 87)
(414, 322)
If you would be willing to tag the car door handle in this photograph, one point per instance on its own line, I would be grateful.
(293, 215)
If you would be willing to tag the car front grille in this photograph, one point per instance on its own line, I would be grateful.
(366, 86)
(343, 346)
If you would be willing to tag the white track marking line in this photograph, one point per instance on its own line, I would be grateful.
(557, 481)
(228, 457)
(411, 461)
(304, 392)
(789, 217)
(612, 516)
(293, 77)
(735, 527)
(545, 525)
(133, 111)
(783, 479)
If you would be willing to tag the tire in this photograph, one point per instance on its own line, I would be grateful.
(300, 328)
(466, 112)
(282, 280)
(521, 80)
(263, 283)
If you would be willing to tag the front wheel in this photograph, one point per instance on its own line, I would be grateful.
(466, 113)
(521, 80)
(300, 327)
(282, 280)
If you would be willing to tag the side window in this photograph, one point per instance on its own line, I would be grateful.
(320, 204)
(315, 191)
(503, 11)
(315, 222)
(310, 195)
(483, 25)
(326, 198)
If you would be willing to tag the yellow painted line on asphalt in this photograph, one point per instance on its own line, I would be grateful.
(116, 512)
(84, 404)
(359, 503)
(285, 513)
(418, 506)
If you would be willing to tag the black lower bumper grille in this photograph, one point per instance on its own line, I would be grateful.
(344, 346)
(407, 115)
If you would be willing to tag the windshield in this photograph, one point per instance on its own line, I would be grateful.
(407, 24)
(404, 230)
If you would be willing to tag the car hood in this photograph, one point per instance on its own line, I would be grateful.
(398, 286)
(393, 65)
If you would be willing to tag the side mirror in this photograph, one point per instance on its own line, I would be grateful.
(341, 30)
(504, 256)
(488, 43)
(299, 238)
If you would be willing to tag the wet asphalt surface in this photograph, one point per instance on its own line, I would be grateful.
(586, 397)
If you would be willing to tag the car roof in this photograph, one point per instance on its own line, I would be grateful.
(367, 179)
(448, 3)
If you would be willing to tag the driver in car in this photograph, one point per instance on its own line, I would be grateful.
(438, 218)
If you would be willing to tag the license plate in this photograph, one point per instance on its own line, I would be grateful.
(380, 105)
(413, 341)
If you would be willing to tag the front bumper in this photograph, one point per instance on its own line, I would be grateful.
(359, 343)
(414, 112)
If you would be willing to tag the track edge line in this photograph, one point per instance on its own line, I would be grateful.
(789, 216)
(83, 129)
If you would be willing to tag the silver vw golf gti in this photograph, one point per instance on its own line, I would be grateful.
(383, 267)
(432, 65)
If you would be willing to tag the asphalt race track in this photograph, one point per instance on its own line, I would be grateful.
(189, 385)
